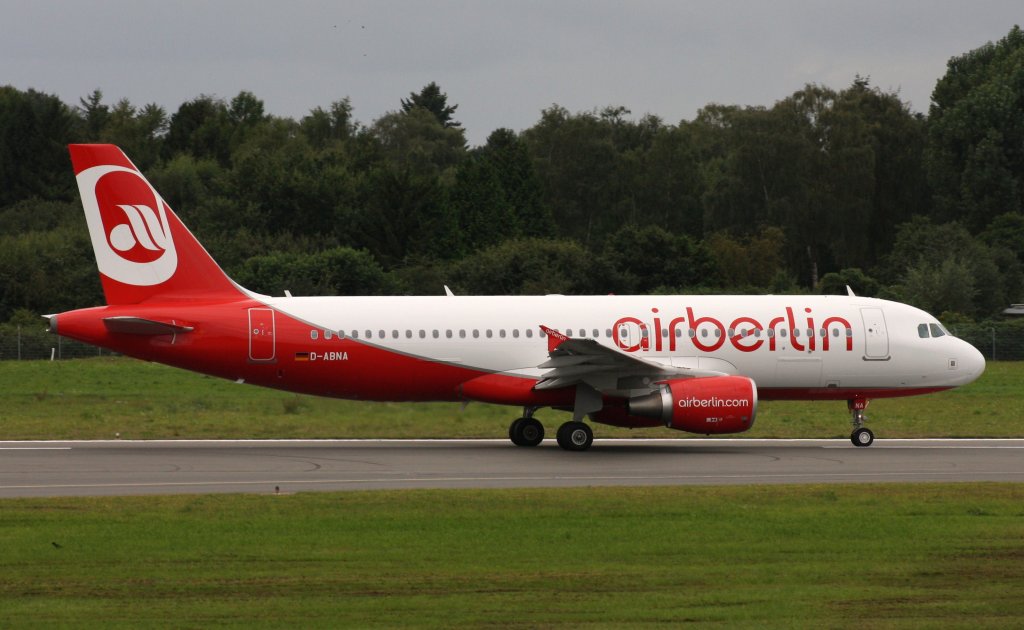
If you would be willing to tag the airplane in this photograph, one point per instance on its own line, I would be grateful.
(694, 363)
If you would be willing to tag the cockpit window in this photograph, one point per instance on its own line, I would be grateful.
(922, 331)
(937, 331)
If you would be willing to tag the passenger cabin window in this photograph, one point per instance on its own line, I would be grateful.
(327, 334)
(423, 334)
(313, 334)
(529, 333)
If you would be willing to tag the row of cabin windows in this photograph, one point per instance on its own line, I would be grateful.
(528, 333)
(436, 334)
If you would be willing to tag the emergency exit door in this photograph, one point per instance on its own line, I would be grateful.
(261, 335)
(876, 337)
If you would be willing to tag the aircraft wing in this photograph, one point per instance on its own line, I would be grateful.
(574, 361)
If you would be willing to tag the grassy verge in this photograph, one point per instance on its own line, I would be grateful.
(100, 398)
(810, 556)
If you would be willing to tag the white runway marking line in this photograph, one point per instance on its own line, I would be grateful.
(35, 448)
(278, 482)
(827, 442)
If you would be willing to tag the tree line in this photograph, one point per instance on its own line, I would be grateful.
(823, 189)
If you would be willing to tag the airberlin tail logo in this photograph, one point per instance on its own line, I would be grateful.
(127, 225)
(142, 238)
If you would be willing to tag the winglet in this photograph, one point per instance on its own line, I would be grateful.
(555, 338)
(448, 292)
(849, 291)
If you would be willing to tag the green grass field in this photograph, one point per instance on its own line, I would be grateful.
(893, 555)
(771, 556)
(100, 398)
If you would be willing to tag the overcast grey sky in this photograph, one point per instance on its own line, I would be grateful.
(501, 62)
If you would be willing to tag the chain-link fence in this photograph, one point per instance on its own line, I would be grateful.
(1002, 341)
(33, 342)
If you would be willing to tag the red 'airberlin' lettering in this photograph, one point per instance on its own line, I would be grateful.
(745, 333)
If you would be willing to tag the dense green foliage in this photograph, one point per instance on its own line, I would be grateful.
(822, 189)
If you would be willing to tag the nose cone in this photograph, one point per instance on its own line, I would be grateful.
(972, 363)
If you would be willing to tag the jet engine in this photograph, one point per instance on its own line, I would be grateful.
(713, 404)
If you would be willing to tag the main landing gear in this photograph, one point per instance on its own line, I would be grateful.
(861, 436)
(528, 431)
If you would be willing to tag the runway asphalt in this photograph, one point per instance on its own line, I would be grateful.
(95, 468)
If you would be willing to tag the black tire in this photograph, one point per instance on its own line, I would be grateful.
(526, 432)
(513, 431)
(862, 437)
(575, 436)
(530, 432)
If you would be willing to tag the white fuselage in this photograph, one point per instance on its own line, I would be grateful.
(781, 342)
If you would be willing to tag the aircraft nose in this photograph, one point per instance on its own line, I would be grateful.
(972, 363)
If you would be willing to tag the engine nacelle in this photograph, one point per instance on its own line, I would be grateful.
(713, 404)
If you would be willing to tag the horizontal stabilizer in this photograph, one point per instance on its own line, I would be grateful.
(139, 326)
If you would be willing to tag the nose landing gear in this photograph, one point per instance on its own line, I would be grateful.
(861, 436)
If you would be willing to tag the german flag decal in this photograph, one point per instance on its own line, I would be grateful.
(302, 356)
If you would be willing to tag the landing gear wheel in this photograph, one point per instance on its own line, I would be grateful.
(575, 436)
(526, 432)
(513, 431)
(862, 437)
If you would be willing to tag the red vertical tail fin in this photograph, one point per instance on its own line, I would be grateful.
(142, 249)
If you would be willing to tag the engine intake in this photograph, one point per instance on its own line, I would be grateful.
(714, 404)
